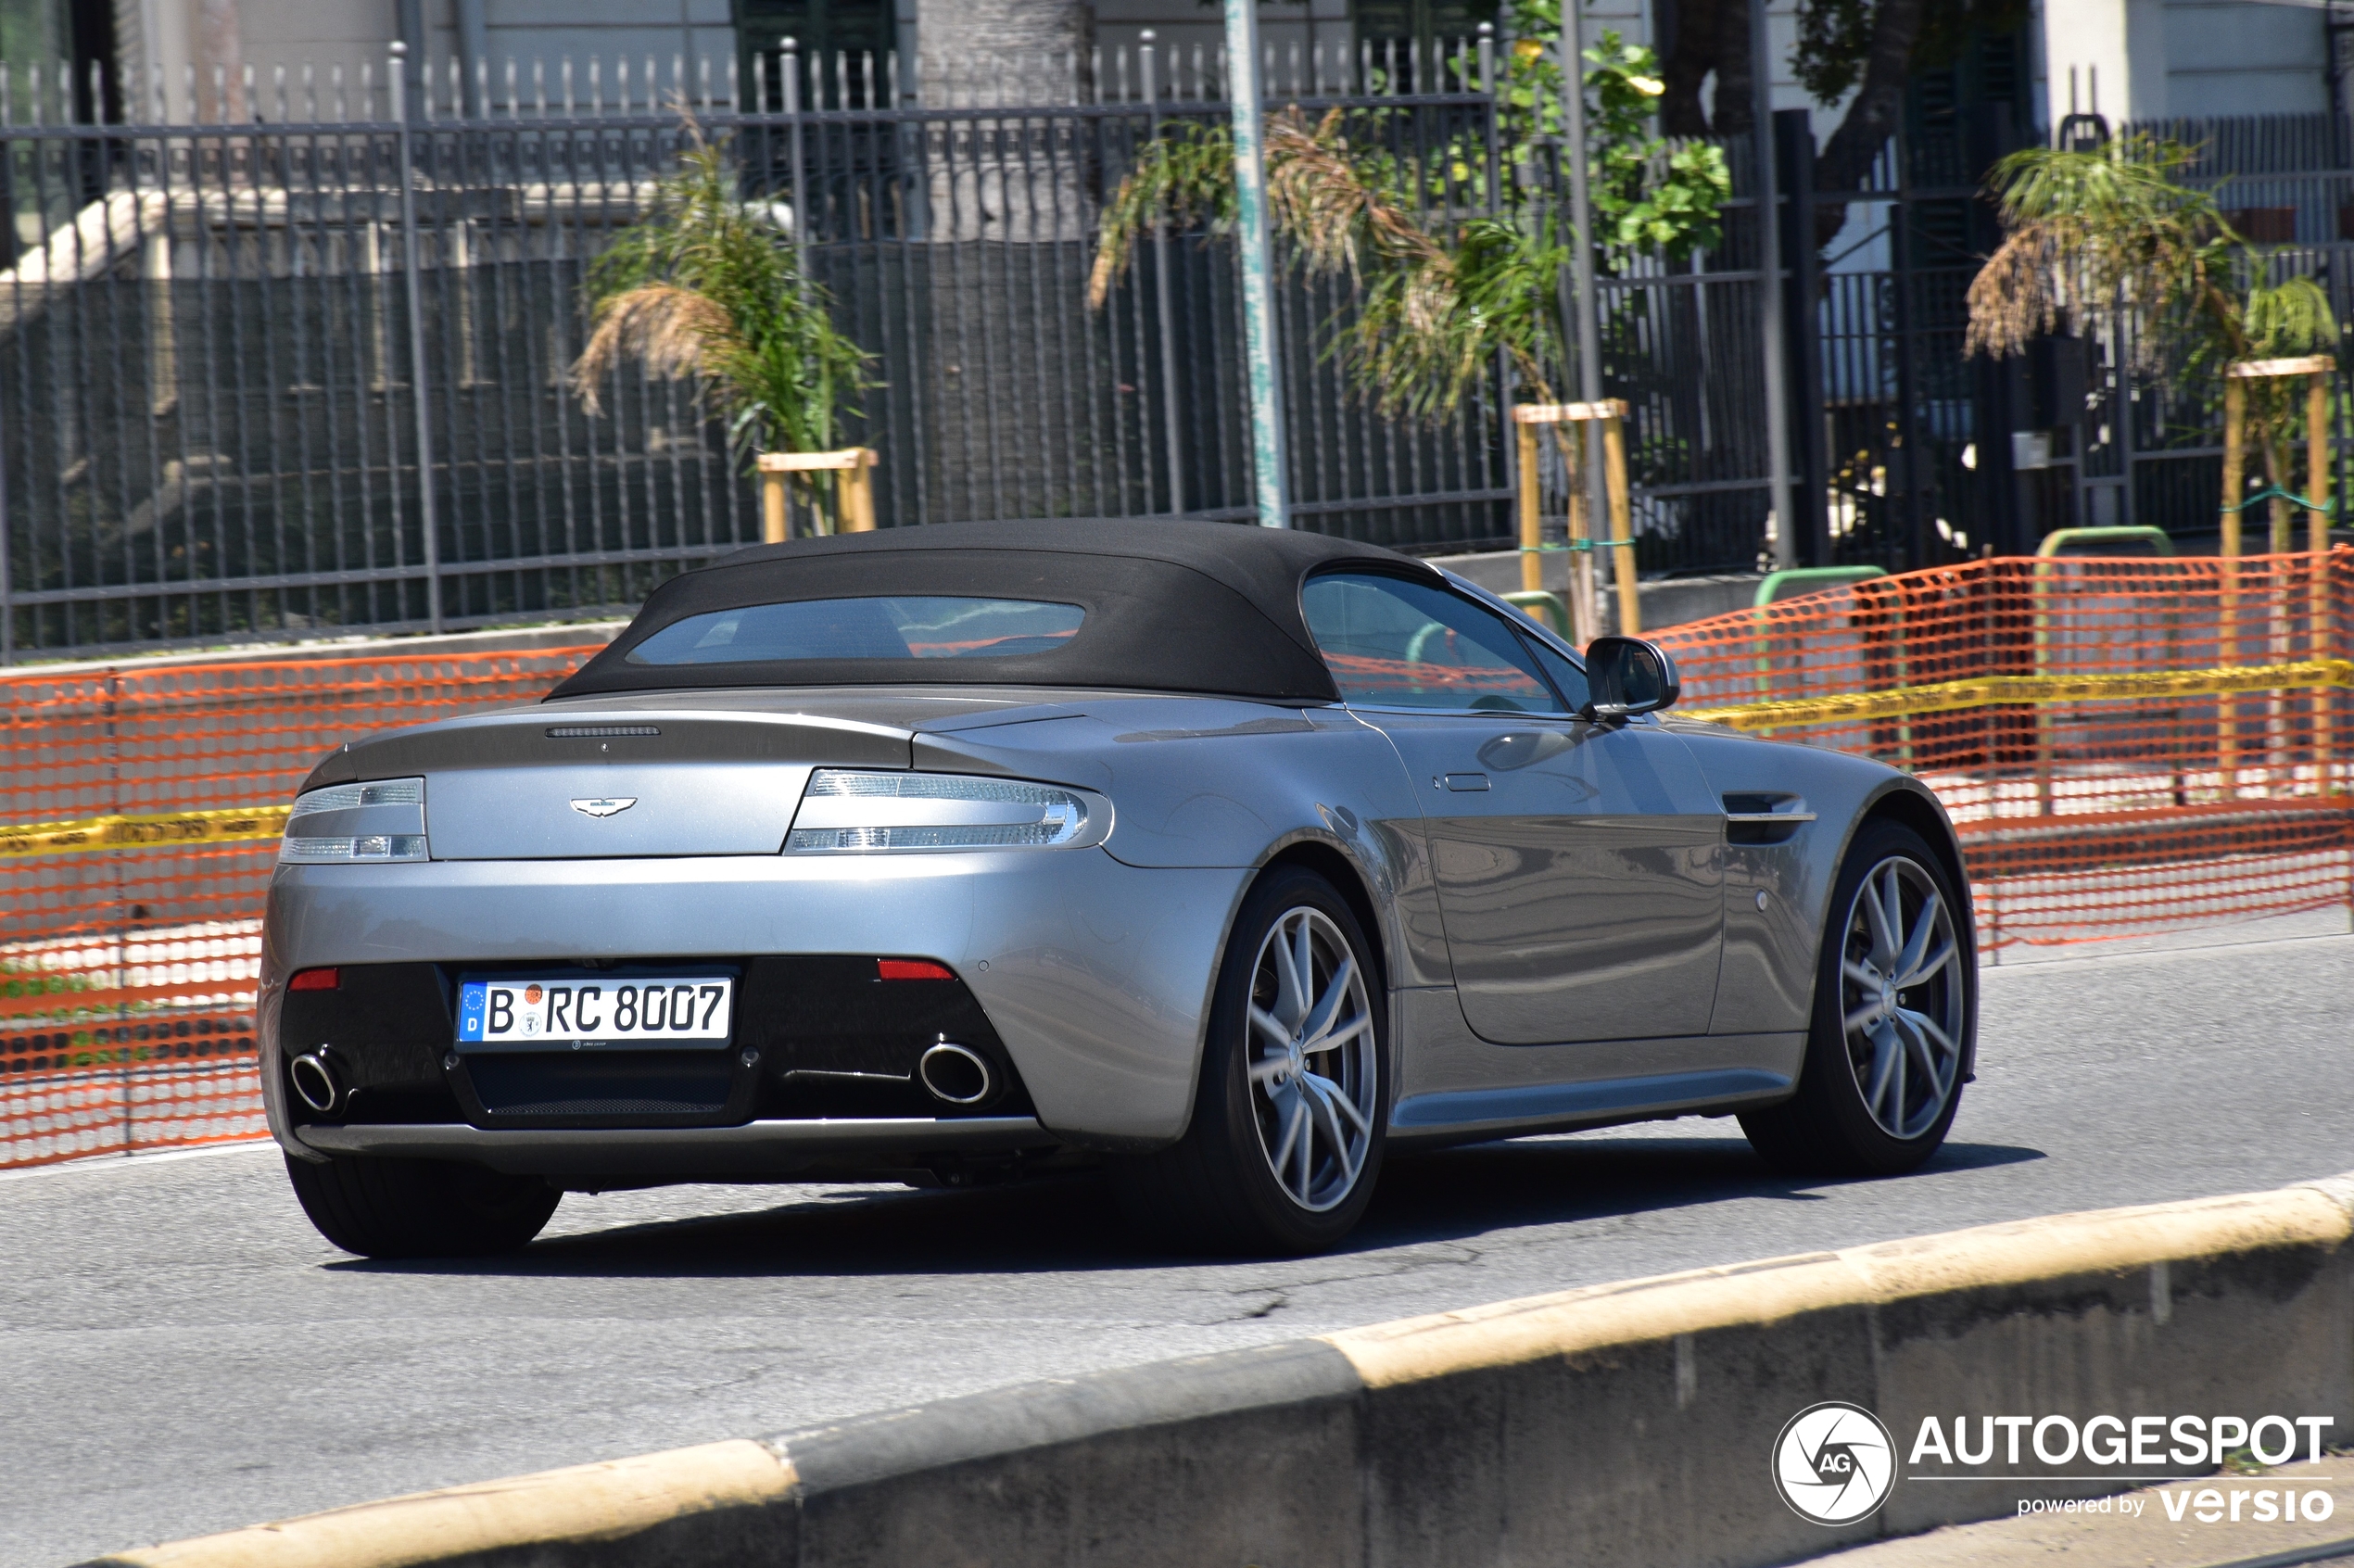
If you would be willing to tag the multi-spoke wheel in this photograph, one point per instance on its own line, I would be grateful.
(1312, 1059)
(1288, 1123)
(1895, 1012)
(1901, 994)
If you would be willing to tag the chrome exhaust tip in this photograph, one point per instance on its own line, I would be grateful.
(957, 1074)
(315, 1082)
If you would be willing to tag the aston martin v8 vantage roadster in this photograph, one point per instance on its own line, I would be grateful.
(1219, 857)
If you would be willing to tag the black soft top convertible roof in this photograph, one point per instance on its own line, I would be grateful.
(1172, 605)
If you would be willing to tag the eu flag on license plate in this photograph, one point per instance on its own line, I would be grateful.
(470, 1007)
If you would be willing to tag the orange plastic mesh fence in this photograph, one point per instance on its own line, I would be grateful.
(127, 975)
(2125, 745)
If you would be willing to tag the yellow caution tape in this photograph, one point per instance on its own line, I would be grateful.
(1989, 691)
(173, 829)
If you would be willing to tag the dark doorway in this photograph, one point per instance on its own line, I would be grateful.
(845, 47)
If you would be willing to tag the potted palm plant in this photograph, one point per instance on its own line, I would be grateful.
(708, 287)
(2114, 228)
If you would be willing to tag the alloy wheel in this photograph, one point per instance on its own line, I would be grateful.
(1902, 995)
(1314, 1071)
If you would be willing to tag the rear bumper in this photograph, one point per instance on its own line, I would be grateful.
(1095, 974)
(753, 1149)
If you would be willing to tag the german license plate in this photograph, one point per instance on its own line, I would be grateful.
(524, 1012)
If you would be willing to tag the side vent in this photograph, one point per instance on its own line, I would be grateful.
(1764, 819)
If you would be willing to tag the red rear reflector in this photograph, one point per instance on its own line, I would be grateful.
(911, 969)
(316, 980)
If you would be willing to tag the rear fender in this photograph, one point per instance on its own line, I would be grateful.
(1209, 782)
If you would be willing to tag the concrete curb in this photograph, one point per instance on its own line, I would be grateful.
(703, 1504)
(1628, 1422)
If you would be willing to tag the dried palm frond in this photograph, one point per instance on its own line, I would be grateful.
(676, 331)
(1181, 179)
(2109, 229)
(1332, 206)
(1426, 336)
(1324, 204)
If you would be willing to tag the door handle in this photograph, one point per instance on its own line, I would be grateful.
(1466, 782)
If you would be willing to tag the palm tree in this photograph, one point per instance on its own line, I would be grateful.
(708, 289)
(1449, 276)
(1420, 339)
(2114, 229)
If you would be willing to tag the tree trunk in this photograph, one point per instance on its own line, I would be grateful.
(1003, 205)
(981, 54)
(1003, 51)
(1735, 95)
(1846, 161)
(1691, 55)
(221, 59)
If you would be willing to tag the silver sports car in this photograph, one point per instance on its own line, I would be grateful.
(1219, 857)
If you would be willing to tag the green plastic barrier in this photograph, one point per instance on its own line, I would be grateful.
(1793, 583)
(1546, 607)
(2062, 540)
(1798, 580)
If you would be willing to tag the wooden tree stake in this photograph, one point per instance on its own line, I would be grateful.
(2316, 368)
(1532, 526)
(856, 496)
(1583, 612)
(2227, 642)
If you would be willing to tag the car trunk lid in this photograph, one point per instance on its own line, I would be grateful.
(562, 784)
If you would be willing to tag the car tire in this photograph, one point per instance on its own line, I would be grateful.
(1221, 1188)
(1893, 1026)
(384, 1208)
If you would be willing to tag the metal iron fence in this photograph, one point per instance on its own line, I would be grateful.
(304, 373)
(1911, 455)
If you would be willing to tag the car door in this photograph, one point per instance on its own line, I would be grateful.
(1579, 865)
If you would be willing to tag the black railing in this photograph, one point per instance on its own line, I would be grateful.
(221, 419)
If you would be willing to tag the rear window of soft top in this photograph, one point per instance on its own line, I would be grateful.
(915, 627)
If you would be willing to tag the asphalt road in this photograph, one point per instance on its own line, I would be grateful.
(180, 1353)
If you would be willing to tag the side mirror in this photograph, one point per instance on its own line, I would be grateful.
(1628, 676)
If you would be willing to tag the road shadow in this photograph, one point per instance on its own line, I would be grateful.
(1440, 1195)
(1070, 1222)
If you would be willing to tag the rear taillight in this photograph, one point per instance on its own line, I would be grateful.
(343, 823)
(911, 969)
(858, 812)
(317, 979)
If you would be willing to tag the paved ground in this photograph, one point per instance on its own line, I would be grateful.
(182, 1353)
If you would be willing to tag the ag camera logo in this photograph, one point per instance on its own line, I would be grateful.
(1834, 1462)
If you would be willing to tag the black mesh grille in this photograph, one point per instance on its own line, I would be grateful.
(608, 1107)
(623, 1083)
